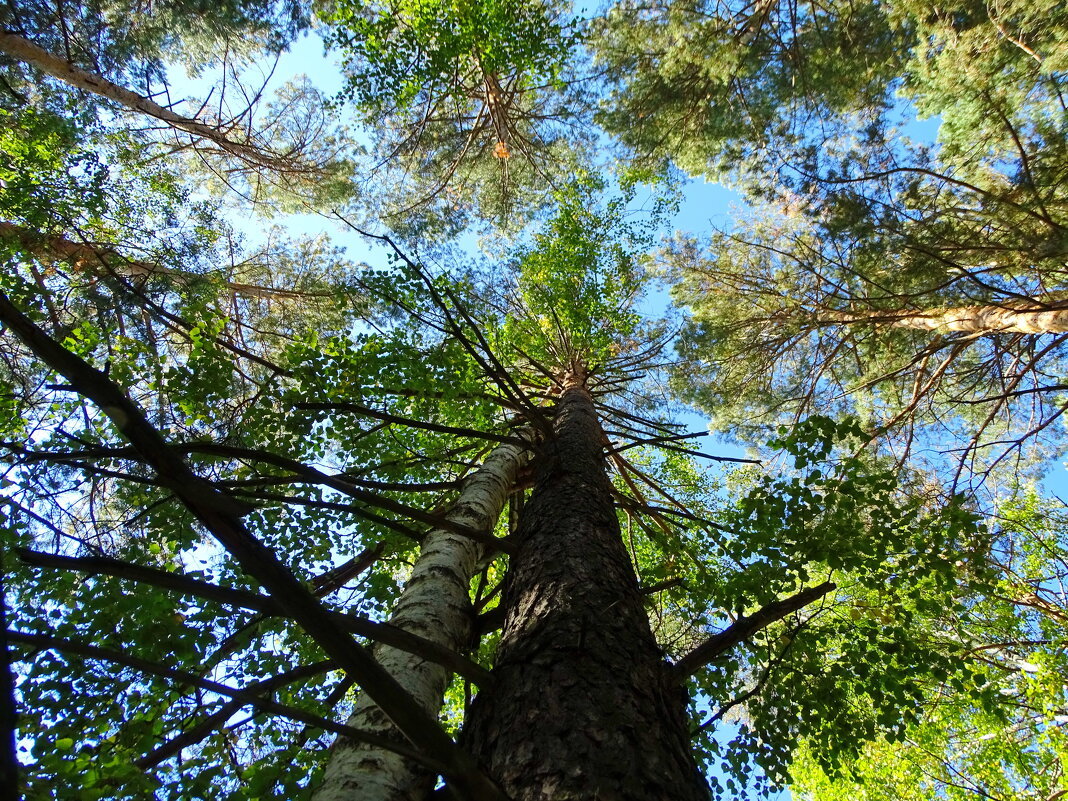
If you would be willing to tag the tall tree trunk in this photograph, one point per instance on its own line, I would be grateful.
(1011, 317)
(582, 706)
(434, 604)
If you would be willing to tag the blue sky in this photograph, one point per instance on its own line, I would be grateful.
(704, 206)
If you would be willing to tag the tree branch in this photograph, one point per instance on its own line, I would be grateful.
(27, 52)
(212, 722)
(221, 515)
(382, 632)
(309, 474)
(341, 485)
(744, 628)
(244, 695)
(50, 247)
(366, 411)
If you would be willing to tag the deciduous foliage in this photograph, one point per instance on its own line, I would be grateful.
(239, 482)
(1010, 746)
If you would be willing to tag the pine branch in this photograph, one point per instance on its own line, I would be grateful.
(620, 414)
(303, 474)
(350, 508)
(657, 440)
(340, 483)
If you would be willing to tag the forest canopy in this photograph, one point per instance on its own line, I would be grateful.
(384, 432)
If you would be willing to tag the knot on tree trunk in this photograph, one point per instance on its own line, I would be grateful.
(575, 375)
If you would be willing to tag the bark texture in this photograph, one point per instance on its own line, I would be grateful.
(435, 604)
(1011, 317)
(582, 705)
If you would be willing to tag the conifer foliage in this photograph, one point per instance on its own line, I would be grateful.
(278, 524)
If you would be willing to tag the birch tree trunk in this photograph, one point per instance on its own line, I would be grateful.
(582, 706)
(434, 604)
(1011, 317)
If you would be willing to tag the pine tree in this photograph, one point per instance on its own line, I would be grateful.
(220, 466)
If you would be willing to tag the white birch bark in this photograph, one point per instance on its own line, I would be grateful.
(1011, 317)
(434, 604)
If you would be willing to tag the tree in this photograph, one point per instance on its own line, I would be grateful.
(855, 228)
(476, 110)
(834, 294)
(121, 38)
(569, 566)
(576, 284)
(435, 605)
(221, 469)
(791, 319)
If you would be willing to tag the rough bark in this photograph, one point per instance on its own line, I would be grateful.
(435, 605)
(582, 705)
(1012, 317)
